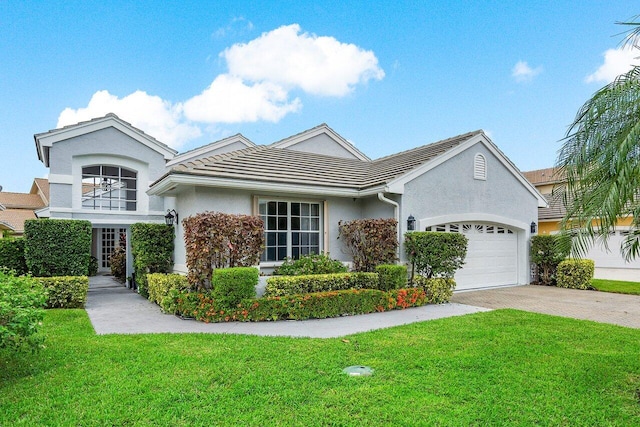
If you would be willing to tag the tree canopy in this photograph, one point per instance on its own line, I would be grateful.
(600, 159)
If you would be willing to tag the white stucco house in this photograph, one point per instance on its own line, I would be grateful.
(113, 174)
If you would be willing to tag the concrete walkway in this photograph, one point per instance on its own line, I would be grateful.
(114, 309)
(605, 307)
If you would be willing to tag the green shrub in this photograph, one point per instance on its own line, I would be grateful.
(93, 266)
(310, 264)
(12, 255)
(160, 285)
(575, 273)
(232, 285)
(65, 291)
(391, 276)
(21, 302)
(435, 254)
(152, 250)
(291, 285)
(57, 247)
(546, 254)
(370, 242)
(438, 290)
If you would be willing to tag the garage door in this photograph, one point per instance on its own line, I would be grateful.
(611, 258)
(492, 254)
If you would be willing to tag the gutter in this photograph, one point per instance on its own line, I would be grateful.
(396, 214)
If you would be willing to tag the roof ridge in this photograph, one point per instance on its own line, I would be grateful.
(442, 141)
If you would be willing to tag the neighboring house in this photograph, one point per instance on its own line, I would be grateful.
(16, 208)
(609, 261)
(112, 174)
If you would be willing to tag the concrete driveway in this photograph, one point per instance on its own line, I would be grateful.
(618, 309)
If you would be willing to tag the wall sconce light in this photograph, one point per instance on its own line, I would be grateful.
(534, 227)
(411, 223)
(170, 217)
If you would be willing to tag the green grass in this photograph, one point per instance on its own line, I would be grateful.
(616, 286)
(504, 367)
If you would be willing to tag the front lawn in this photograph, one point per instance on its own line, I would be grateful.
(616, 286)
(504, 367)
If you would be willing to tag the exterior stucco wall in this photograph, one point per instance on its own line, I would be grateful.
(111, 147)
(322, 144)
(195, 200)
(449, 193)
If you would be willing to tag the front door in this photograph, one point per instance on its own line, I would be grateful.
(107, 240)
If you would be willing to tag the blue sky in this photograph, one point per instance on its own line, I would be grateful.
(387, 76)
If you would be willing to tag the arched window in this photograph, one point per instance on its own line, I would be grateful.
(479, 167)
(109, 188)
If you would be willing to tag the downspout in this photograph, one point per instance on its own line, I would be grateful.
(396, 215)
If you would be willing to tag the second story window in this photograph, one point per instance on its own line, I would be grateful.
(109, 188)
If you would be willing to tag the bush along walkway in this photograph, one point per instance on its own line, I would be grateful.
(125, 312)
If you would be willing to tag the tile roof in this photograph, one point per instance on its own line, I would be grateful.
(556, 209)
(20, 200)
(16, 218)
(43, 185)
(272, 164)
(544, 176)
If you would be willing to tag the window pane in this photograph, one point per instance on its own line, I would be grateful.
(91, 170)
(110, 171)
(271, 254)
(282, 239)
(282, 208)
(271, 223)
(305, 224)
(315, 209)
(315, 224)
(262, 207)
(295, 239)
(282, 253)
(304, 239)
(131, 194)
(304, 251)
(282, 223)
(271, 239)
(295, 253)
(295, 209)
(128, 173)
(295, 223)
(304, 209)
(271, 208)
(314, 239)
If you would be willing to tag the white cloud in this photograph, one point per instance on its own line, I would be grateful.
(317, 65)
(152, 114)
(523, 73)
(616, 62)
(229, 100)
(261, 75)
(238, 25)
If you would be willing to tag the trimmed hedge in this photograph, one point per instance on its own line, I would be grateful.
(299, 307)
(232, 285)
(65, 291)
(370, 242)
(160, 286)
(152, 250)
(391, 276)
(57, 247)
(291, 285)
(12, 255)
(575, 273)
(310, 264)
(438, 290)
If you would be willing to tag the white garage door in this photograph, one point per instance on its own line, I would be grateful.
(492, 255)
(611, 258)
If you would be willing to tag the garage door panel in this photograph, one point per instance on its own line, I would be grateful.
(492, 255)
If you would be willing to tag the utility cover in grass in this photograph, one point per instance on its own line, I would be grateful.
(358, 371)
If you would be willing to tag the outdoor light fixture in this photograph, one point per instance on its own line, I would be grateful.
(534, 227)
(411, 223)
(170, 217)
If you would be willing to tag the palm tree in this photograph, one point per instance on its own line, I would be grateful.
(600, 159)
